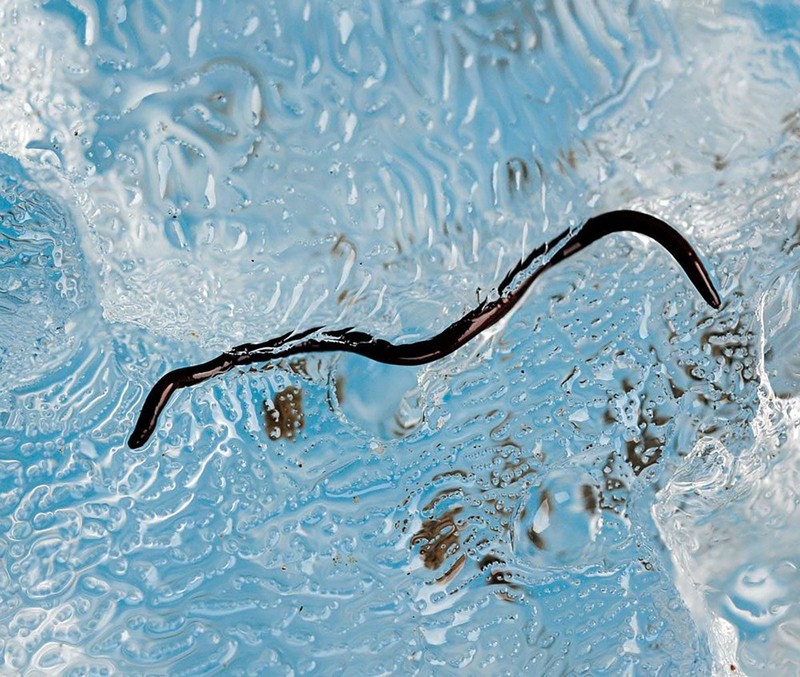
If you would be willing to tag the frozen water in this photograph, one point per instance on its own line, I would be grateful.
(607, 483)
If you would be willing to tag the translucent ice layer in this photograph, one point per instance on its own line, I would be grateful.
(607, 482)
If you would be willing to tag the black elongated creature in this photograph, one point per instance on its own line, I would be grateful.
(487, 313)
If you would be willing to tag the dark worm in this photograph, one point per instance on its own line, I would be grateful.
(488, 313)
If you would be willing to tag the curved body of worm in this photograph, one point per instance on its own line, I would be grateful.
(487, 313)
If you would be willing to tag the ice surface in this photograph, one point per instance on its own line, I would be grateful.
(607, 483)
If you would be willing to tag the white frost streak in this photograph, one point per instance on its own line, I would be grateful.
(350, 126)
(255, 104)
(89, 10)
(296, 294)
(379, 302)
(194, 34)
(164, 163)
(345, 22)
(211, 193)
(471, 110)
(252, 25)
(322, 123)
(643, 333)
(348, 266)
(274, 298)
(194, 30)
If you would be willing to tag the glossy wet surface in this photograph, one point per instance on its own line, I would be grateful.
(606, 482)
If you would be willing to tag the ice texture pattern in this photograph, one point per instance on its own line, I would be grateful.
(606, 483)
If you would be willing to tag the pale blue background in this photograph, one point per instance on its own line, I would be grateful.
(179, 177)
